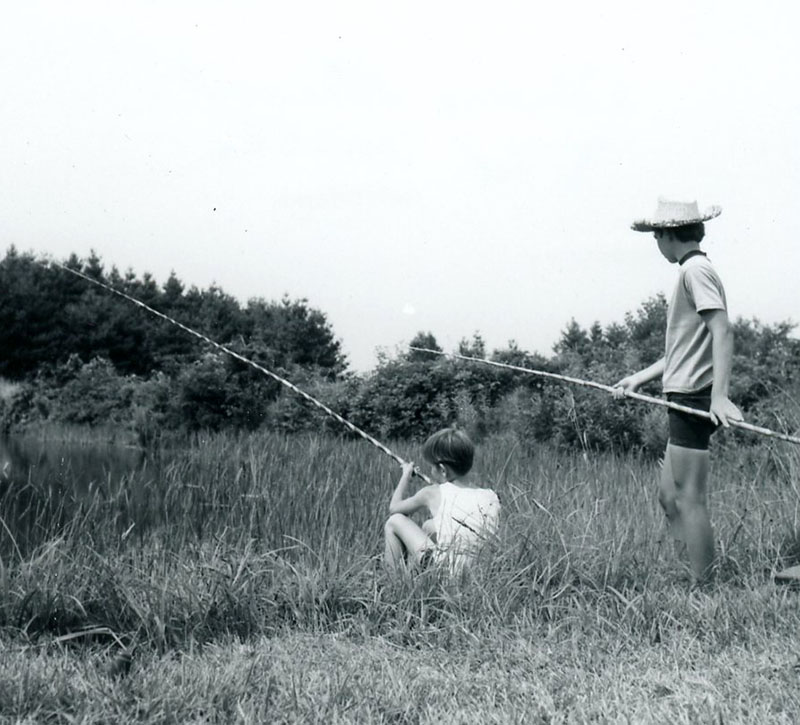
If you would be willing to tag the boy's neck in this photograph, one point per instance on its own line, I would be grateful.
(678, 250)
(691, 253)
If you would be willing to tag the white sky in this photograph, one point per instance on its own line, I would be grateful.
(439, 166)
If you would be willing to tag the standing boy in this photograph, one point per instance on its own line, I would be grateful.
(695, 372)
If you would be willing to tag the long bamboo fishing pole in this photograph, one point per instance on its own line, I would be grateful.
(610, 389)
(311, 399)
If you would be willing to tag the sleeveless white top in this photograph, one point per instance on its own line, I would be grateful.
(465, 519)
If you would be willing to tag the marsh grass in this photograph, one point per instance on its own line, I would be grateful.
(252, 545)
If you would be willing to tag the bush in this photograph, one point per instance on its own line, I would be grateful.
(291, 413)
(97, 394)
(12, 402)
(75, 393)
(404, 399)
(211, 394)
(407, 397)
(153, 411)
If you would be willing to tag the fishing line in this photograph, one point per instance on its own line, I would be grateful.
(350, 426)
(609, 389)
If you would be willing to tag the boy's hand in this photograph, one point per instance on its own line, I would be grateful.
(408, 469)
(724, 410)
(629, 384)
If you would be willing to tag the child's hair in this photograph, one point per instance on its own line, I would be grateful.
(690, 232)
(452, 447)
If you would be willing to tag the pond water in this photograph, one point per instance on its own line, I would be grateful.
(43, 483)
(76, 466)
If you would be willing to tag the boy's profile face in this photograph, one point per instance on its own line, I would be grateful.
(664, 239)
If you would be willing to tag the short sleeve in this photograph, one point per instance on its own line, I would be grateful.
(704, 288)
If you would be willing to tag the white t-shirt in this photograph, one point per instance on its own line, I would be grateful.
(689, 364)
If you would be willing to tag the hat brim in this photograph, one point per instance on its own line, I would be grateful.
(647, 225)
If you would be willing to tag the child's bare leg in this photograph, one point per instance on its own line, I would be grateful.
(405, 542)
(690, 475)
(667, 497)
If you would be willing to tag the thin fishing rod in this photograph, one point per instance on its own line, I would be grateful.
(609, 389)
(350, 426)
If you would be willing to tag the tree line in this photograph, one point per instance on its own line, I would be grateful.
(74, 353)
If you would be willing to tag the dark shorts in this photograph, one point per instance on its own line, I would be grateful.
(687, 430)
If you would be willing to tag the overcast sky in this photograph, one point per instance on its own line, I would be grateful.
(449, 167)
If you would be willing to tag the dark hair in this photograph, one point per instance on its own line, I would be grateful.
(451, 447)
(690, 232)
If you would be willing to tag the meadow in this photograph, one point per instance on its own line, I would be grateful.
(240, 580)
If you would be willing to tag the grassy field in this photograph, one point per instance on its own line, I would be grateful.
(241, 582)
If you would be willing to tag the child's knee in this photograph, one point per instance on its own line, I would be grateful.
(392, 523)
(667, 499)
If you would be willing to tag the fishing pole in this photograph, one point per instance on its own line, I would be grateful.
(610, 389)
(283, 381)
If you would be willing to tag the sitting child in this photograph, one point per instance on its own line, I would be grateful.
(462, 517)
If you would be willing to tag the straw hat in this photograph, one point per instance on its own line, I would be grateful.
(675, 214)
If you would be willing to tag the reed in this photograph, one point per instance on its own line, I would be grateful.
(249, 533)
(235, 541)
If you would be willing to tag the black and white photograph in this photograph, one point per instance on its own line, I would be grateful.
(399, 362)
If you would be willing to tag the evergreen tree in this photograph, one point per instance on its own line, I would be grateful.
(425, 340)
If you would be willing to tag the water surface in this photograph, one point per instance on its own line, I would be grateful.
(45, 483)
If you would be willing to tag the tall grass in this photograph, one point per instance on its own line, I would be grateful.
(252, 534)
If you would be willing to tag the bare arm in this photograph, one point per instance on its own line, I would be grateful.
(718, 324)
(401, 505)
(632, 383)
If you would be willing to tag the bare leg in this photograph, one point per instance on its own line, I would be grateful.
(405, 542)
(667, 497)
(689, 469)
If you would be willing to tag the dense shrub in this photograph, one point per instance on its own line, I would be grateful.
(291, 413)
(81, 355)
(404, 399)
(83, 394)
(11, 397)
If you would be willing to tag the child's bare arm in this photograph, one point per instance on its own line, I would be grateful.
(401, 505)
(718, 324)
(632, 383)
(400, 489)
